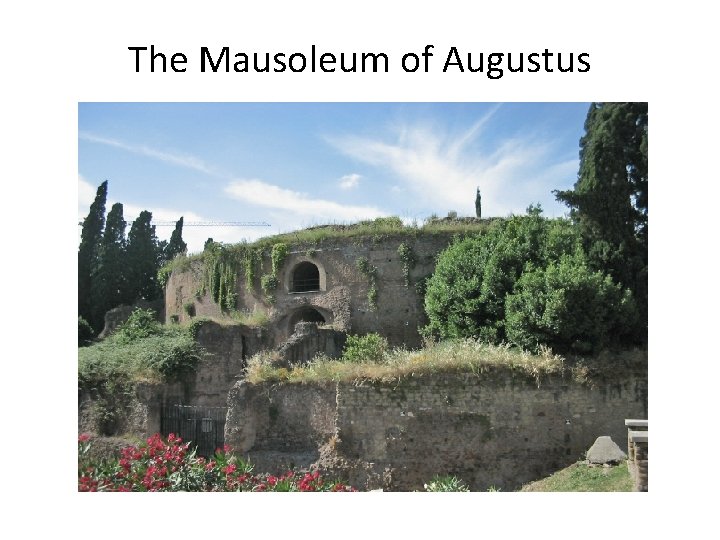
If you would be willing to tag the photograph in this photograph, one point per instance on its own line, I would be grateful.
(362, 296)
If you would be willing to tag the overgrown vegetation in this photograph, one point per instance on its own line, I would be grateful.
(407, 256)
(141, 350)
(583, 477)
(269, 284)
(220, 275)
(368, 348)
(466, 355)
(370, 271)
(277, 256)
(85, 332)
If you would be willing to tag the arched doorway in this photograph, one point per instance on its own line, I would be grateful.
(306, 314)
(305, 278)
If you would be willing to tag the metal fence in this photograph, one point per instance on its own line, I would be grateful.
(203, 427)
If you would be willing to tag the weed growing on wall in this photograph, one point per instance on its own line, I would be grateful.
(370, 272)
(269, 284)
(277, 256)
(181, 263)
(220, 274)
(251, 259)
(407, 256)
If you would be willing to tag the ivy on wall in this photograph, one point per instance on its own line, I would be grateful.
(369, 270)
(407, 256)
(222, 264)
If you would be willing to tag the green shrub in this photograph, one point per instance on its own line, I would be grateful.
(569, 308)
(117, 361)
(368, 348)
(269, 283)
(140, 324)
(85, 332)
(189, 308)
(525, 281)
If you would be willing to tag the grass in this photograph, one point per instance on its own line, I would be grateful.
(376, 229)
(449, 356)
(584, 478)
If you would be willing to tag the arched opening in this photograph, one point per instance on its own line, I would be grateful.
(305, 278)
(306, 314)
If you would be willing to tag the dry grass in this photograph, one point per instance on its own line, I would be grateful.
(465, 356)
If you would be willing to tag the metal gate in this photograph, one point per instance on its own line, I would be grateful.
(202, 427)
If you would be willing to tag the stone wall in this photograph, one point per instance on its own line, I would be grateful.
(134, 415)
(137, 414)
(280, 426)
(309, 341)
(227, 347)
(343, 295)
(497, 430)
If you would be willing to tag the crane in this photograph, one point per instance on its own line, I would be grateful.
(212, 223)
(207, 223)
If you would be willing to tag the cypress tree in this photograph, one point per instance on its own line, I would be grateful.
(176, 244)
(90, 237)
(609, 201)
(143, 260)
(109, 281)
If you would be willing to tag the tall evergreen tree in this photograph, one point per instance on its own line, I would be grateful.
(610, 198)
(176, 244)
(109, 281)
(90, 238)
(143, 260)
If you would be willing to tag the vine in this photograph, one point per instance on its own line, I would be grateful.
(269, 283)
(407, 256)
(221, 269)
(370, 271)
(277, 255)
(251, 258)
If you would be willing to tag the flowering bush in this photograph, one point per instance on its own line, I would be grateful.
(170, 465)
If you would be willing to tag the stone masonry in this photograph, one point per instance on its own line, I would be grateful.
(497, 430)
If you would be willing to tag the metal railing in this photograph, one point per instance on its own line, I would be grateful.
(203, 427)
(305, 285)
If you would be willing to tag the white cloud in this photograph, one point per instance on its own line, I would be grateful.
(350, 181)
(442, 170)
(181, 160)
(259, 193)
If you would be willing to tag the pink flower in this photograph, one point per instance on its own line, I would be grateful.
(84, 437)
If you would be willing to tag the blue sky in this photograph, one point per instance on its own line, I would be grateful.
(295, 165)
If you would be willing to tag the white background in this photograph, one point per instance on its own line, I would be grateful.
(56, 54)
